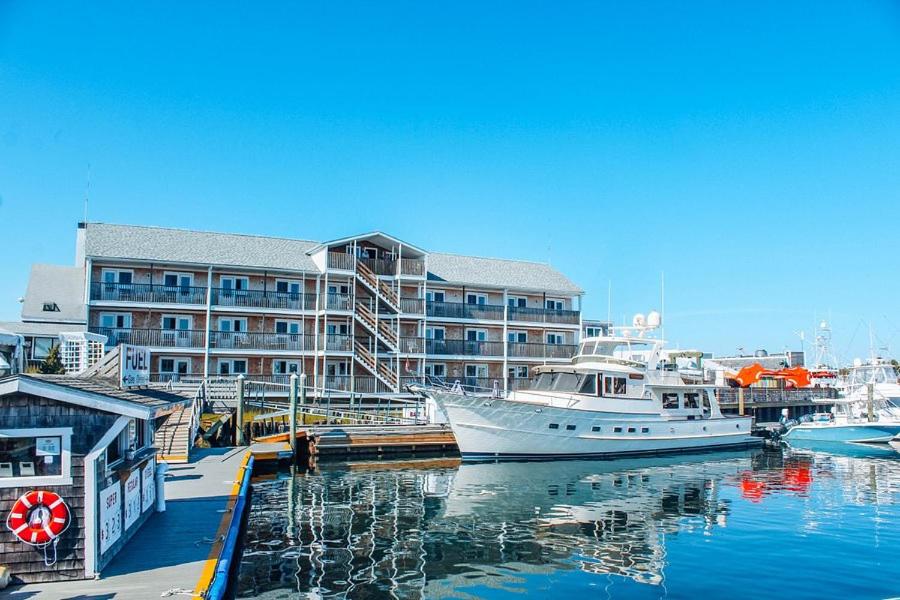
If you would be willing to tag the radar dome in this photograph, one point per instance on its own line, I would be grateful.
(823, 325)
(654, 319)
(638, 320)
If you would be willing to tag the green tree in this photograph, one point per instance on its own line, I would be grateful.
(52, 365)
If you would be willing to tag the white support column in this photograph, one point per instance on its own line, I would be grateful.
(505, 340)
(209, 286)
(325, 334)
(580, 321)
(425, 315)
(315, 381)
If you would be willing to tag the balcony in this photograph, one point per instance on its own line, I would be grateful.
(463, 348)
(543, 315)
(412, 306)
(146, 293)
(412, 266)
(158, 338)
(531, 350)
(461, 310)
(244, 340)
(263, 299)
(412, 345)
(341, 260)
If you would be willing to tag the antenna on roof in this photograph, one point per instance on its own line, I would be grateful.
(87, 193)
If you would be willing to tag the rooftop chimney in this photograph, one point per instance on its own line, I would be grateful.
(79, 244)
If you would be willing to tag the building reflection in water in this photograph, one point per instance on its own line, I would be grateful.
(432, 528)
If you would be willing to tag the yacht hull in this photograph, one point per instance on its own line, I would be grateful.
(857, 432)
(487, 427)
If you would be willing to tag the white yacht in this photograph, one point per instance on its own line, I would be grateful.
(616, 397)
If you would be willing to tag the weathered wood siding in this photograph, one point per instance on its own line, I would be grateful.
(22, 411)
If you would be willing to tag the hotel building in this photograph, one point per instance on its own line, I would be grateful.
(366, 314)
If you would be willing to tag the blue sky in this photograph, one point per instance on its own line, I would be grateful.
(750, 150)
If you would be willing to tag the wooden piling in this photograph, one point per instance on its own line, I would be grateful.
(870, 401)
(292, 440)
(741, 401)
(239, 418)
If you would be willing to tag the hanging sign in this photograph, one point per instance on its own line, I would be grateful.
(148, 485)
(46, 446)
(132, 498)
(134, 365)
(110, 516)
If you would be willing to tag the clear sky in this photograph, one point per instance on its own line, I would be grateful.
(750, 150)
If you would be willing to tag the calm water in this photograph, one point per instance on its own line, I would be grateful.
(784, 523)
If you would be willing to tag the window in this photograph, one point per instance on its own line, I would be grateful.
(615, 386)
(51, 307)
(554, 425)
(41, 348)
(477, 371)
(517, 337)
(115, 320)
(285, 367)
(476, 299)
(232, 325)
(556, 338)
(436, 370)
(670, 401)
(116, 276)
(230, 284)
(288, 327)
(518, 372)
(35, 457)
(570, 428)
(232, 367)
(589, 386)
(617, 430)
(178, 280)
(434, 296)
(692, 400)
(645, 430)
(593, 331)
(285, 286)
(516, 301)
(341, 288)
(631, 430)
(595, 428)
(336, 369)
(476, 335)
(180, 366)
(179, 322)
(551, 304)
(434, 333)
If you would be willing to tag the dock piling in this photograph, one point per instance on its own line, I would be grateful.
(239, 417)
(292, 440)
(870, 401)
(741, 401)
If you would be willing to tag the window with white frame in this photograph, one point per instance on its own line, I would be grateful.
(476, 371)
(115, 320)
(518, 372)
(174, 366)
(555, 338)
(177, 322)
(288, 327)
(517, 337)
(35, 457)
(234, 283)
(479, 299)
(235, 366)
(476, 335)
(553, 304)
(285, 367)
(592, 331)
(118, 276)
(434, 296)
(40, 347)
(287, 286)
(178, 280)
(232, 325)
(438, 370)
(435, 333)
(338, 288)
(516, 301)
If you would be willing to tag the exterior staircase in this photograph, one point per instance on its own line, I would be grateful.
(381, 329)
(173, 439)
(376, 368)
(379, 289)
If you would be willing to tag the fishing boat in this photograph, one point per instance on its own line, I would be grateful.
(618, 396)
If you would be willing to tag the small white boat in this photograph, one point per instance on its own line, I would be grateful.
(850, 421)
(617, 397)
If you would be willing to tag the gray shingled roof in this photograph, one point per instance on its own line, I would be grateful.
(495, 272)
(225, 249)
(104, 240)
(153, 398)
(57, 284)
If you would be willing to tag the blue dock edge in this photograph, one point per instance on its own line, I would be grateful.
(225, 561)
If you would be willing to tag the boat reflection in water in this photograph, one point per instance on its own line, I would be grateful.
(442, 529)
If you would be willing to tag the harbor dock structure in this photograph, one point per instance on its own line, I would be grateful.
(363, 315)
(78, 473)
(181, 552)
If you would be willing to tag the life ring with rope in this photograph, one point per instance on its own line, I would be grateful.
(39, 517)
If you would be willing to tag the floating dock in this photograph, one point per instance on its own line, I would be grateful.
(333, 440)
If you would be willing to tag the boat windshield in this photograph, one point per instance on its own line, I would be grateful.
(560, 382)
(884, 373)
(629, 350)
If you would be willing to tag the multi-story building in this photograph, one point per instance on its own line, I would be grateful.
(364, 314)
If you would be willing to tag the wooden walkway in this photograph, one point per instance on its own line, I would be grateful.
(172, 551)
(367, 439)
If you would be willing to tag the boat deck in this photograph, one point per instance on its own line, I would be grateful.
(171, 553)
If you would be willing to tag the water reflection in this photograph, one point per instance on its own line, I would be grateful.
(440, 529)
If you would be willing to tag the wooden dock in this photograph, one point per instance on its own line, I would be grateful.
(367, 439)
(175, 553)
